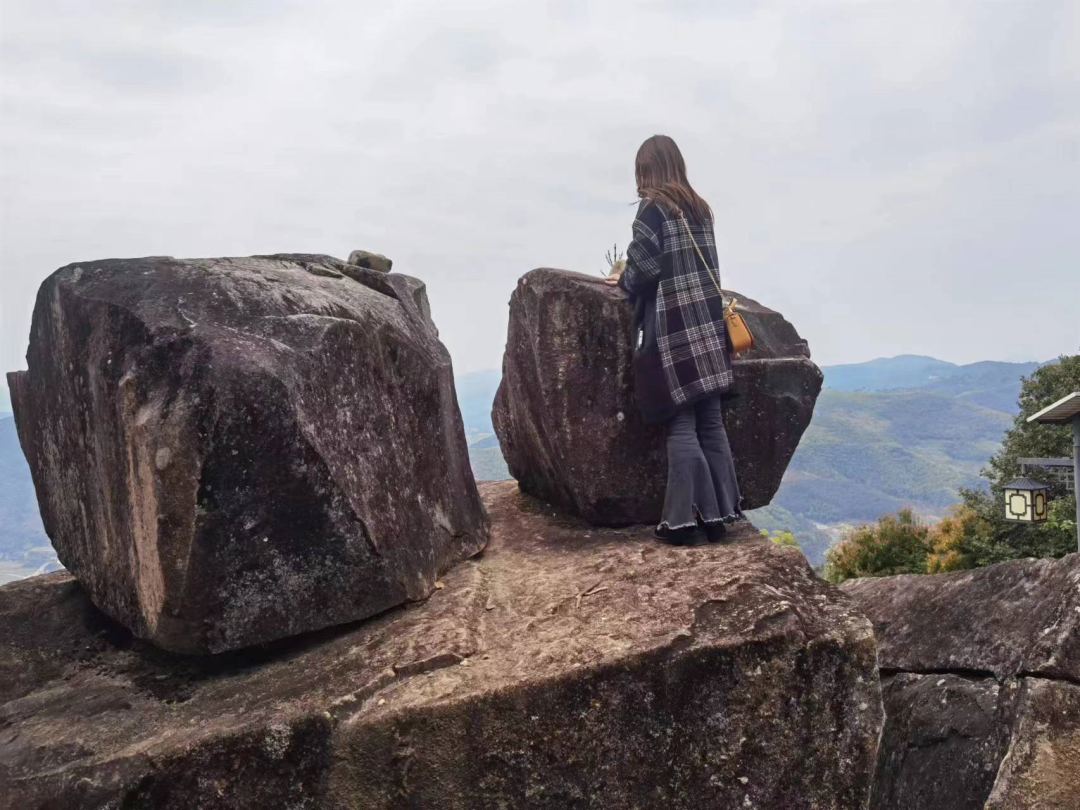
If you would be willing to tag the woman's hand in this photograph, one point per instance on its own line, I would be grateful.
(617, 270)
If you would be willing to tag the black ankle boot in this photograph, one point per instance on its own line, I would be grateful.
(686, 536)
(716, 532)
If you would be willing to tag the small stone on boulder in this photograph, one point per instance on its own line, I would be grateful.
(372, 261)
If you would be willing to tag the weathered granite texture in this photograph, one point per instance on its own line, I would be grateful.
(1041, 770)
(1020, 617)
(944, 738)
(981, 685)
(568, 422)
(230, 451)
(566, 667)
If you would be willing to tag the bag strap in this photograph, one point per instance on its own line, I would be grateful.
(704, 263)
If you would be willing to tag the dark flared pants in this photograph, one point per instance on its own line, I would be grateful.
(701, 479)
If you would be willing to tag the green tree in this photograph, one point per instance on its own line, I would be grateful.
(894, 545)
(960, 540)
(781, 537)
(997, 538)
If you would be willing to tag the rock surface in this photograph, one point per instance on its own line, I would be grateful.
(566, 416)
(981, 685)
(566, 667)
(230, 451)
(1041, 770)
(944, 738)
(1019, 617)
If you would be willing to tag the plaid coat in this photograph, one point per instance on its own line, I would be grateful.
(690, 330)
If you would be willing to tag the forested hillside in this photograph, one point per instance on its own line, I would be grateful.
(866, 454)
(869, 453)
(487, 459)
(475, 393)
(24, 546)
(889, 433)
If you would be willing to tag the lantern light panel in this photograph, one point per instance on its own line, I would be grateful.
(1026, 501)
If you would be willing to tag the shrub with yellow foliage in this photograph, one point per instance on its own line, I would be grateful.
(896, 544)
(958, 541)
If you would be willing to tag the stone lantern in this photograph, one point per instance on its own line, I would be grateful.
(1026, 500)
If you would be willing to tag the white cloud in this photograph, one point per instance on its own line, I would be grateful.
(875, 166)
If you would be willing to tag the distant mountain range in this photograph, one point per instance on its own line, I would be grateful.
(893, 432)
(868, 453)
(990, 384)
(475, 393)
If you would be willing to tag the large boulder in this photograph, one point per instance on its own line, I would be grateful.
(566, 667)
(230, 451)
(981, 683)
(568, 422)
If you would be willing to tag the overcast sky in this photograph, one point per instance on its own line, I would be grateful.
(895, 177)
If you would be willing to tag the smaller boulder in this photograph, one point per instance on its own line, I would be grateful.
(568, 421)
(372, 261)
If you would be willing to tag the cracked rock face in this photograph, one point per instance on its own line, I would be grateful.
(568, 422)
(1042, 768)
(1020, 617)
(944, 738)
(566, 667)
(981, 684)
(231, 451)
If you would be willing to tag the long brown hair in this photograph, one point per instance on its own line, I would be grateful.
(660, 172)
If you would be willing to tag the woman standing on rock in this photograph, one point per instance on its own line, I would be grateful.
(679, 308)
